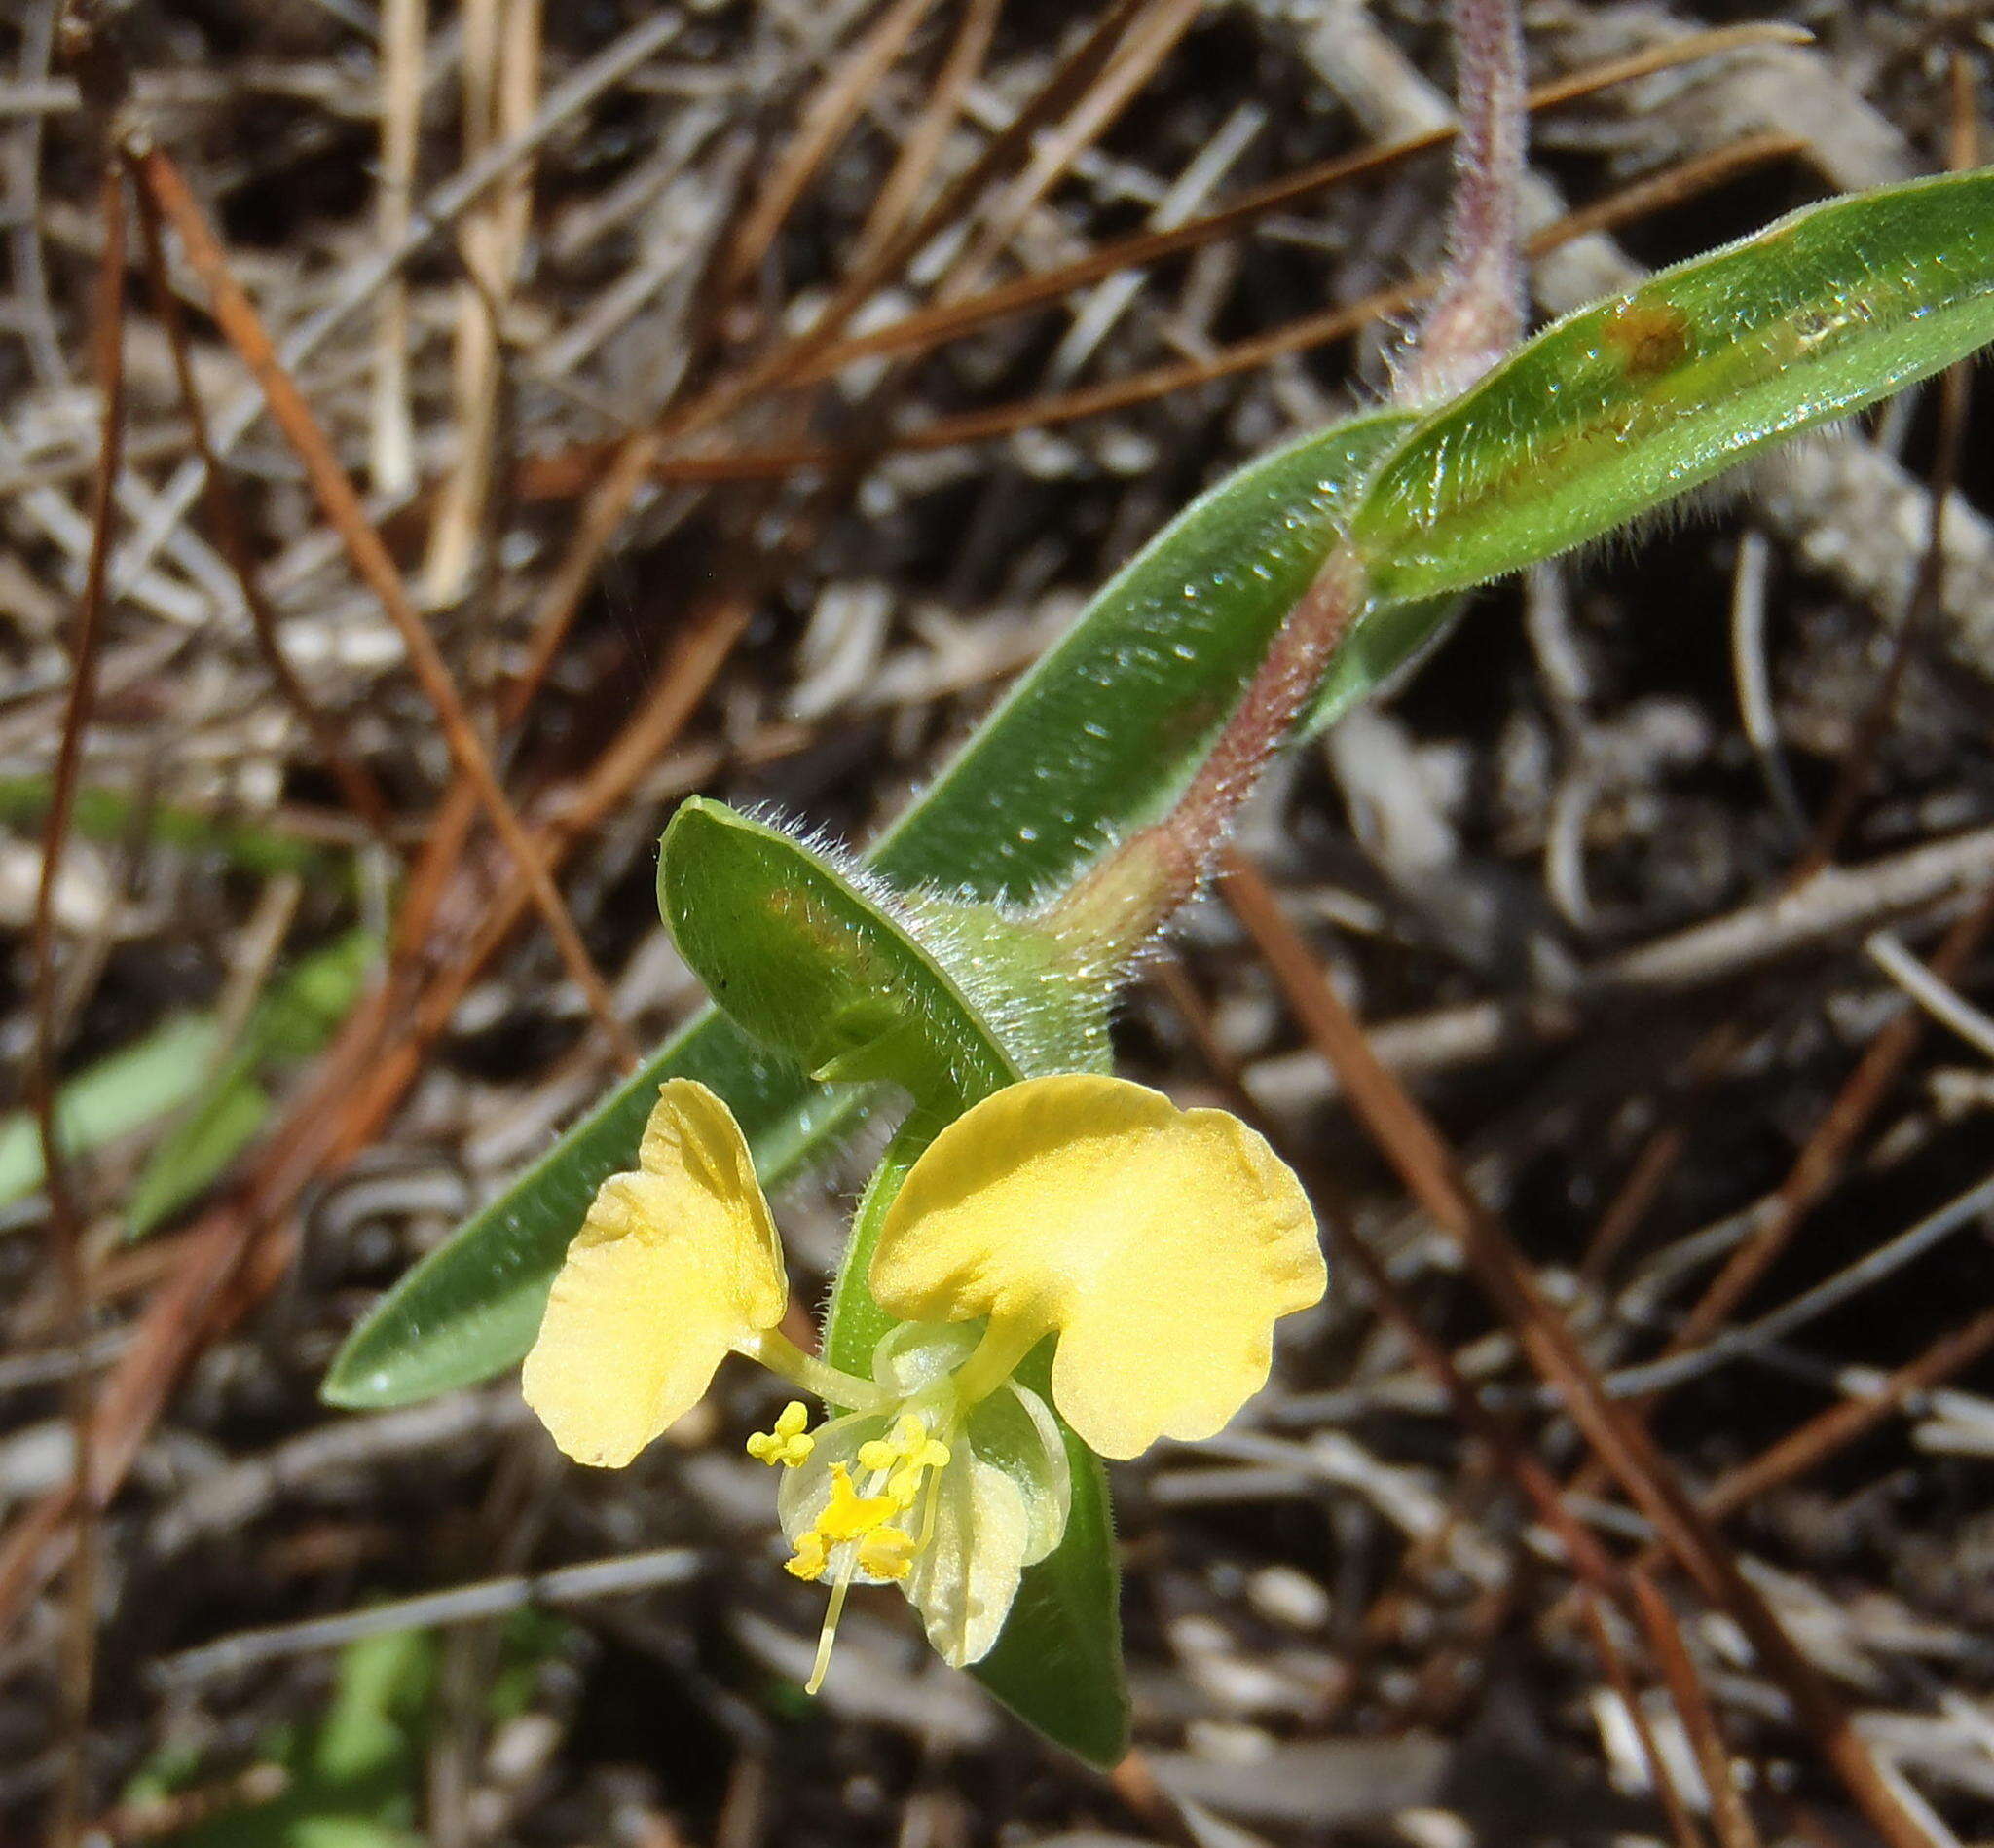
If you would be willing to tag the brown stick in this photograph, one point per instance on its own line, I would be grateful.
(1841, 1423)
(928, 327)
(1729, 1813)
(1600, 1573)
(567, 472)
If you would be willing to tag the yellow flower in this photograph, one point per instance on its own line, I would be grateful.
(1159, 1244)
(1156, 1247)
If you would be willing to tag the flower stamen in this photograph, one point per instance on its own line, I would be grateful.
(888, 1553)
(786, 1444)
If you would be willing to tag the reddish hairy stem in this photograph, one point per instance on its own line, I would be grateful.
(1125, 898)
(1478, 315)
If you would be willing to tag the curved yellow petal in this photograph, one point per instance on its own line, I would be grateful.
(1162, 1244)
(674, 1264)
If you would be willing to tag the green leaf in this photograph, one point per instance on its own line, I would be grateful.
(814, 957)
(355, 1774)
(472, 1307)
(112, 1099)
(1094, 741)
(1058, 1663)
(301, 1011)
(815, 963)
(173, 1069)
(1620, 407)
(199, 1148)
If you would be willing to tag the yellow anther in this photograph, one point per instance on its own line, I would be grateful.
(849, 1515)
(810, 1559)
(878, 1455)
(786, 1444)
(887, 1553)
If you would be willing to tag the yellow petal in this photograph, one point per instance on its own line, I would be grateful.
(1162, 1244)
(674, 1264)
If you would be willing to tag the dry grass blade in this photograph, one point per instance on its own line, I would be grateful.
(1682, 1824)
(1152, 36)
(193, 1306)
(356, 1086)
(1840, 1425)
(843, 97)
(922, 150)
(1602, 1577)
(404, 26)
(1820, 1161)
(342, 507)
(928, 328)
(501, 82)
(696, 657)
(631, 462)
(358, 285)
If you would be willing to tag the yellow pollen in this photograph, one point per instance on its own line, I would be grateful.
(904, 1457)
(786, 1444)
(856, 1528)
(887, 1553)
(810, 1558)
(878, 1455)
(849, 1515)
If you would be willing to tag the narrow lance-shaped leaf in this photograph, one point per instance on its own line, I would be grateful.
(120, 1093)
(1618, 408)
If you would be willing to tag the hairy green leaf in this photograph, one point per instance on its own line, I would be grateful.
(1618, 408)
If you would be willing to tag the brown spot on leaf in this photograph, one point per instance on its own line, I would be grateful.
(1646, 337)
